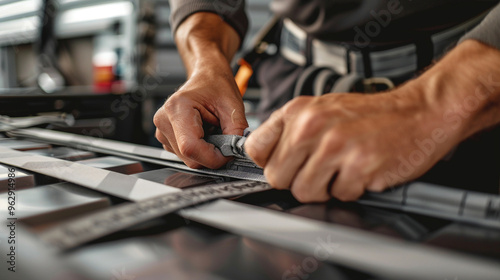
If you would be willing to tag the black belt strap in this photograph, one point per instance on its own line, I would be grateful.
(309, 54)
(425, 51)
(367, 63)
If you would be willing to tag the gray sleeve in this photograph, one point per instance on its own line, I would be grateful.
(488, 31)
(231, 11)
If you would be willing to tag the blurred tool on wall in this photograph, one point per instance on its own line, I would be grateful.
(81, 57)
(109, 63)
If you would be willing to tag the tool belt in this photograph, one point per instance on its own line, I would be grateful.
(334, 67)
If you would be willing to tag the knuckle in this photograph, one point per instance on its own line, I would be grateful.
(295, 104)
(276, 114)
(357, 194)
(356, 163)
(343, 196)
(163, 114)
(304, 195)
(364, 162)
(334, 137)
(192, 164)
(309, 117)
(187, 149)
(331, 144)
(299, 101)
(376, 188)
(347, 195)
(288, 108)
(169, 105)
(273, 180)
(158, 118)
(258, 159)
(310, 120)
(269, 174)
(250, 145)
(309, 124)
(378, 185)
(214, 164)
(172, 103)
(167, 148)
(300, 195)
(253, 152)
(266, 135)
(159, 135)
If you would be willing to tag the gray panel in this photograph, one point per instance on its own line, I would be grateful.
(80, 174)
(432, 198)
(50, 203)
(342, 245)
(22, 180)
(89, 142)
(116, 164)
(475, 205)
(22, 145)
(177, 179)
(91, 227)
(64, 153)
(191, 253)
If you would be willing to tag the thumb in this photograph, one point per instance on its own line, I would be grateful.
(234, 122)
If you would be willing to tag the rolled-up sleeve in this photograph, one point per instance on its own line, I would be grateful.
(488, 31)
(231, 11)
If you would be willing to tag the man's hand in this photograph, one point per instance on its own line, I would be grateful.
(343, 144)
(180, 121)
(209, 97)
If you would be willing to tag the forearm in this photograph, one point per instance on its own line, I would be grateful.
(210, 96)
(462, 91)
(206, 43)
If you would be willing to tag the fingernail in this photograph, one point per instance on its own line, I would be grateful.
(232, 116)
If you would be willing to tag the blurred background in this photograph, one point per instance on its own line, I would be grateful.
(110, 64)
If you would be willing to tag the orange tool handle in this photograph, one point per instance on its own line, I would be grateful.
(243, 75)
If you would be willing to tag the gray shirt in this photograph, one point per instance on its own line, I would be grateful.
(336, 20)
(488, 31)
